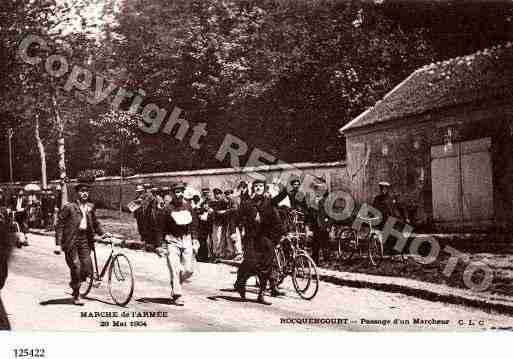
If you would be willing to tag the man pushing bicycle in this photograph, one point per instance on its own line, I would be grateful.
(76, 226)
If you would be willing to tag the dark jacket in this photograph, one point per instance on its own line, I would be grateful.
(48, 203)
(219, 218)
(385, 204)
(269, 226)
(263, 230)
(167, 225)
(297, 200)
(320, 218)
(5, 244)
(68, 222)
(149, 214)
(5, 251)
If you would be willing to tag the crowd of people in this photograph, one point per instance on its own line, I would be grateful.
(243, 224)
(182, 225)
(30, 209)
(220, 230)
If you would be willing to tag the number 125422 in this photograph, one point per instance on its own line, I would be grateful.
(29, 353)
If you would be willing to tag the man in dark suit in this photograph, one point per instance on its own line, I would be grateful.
(263, 229)
(138, 213)
(204, 226)
(48, 202)
(75, 230)
(5, 251)
(296, 198)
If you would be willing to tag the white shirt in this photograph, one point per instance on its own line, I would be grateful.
(83, 221)
(19, 204)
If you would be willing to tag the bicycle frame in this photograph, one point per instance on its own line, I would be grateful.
(289, 257)
(98, 275)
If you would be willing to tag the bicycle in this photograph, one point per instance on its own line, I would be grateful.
(120, 277)
(297, 221)
(291, 260)
(350, 241)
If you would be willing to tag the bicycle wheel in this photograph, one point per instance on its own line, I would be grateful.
(375, 249)
(85, 287)
(279, 270)
(305, 277)
(347, 244)
(121, 280)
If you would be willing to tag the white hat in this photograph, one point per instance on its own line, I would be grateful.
(190, 192)
(384, 183)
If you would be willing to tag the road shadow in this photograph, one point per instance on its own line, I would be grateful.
(166, 301)
(232, 290)
(69, 301)
(101, 301)
(60, 301)
(232, 299)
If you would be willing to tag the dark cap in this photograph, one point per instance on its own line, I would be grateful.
(258, 181)
(84, 182)
(217, 190)
(294, 178)
(82, 186)
(205, 189)
(178, 185)
(228, 191)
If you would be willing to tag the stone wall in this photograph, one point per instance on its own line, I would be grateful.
(107, 191)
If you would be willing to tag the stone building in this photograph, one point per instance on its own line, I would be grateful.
(444, 138)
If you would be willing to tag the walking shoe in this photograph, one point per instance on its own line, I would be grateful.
(262, 300)
(276, 293)
(176, 299)
(76, 298)
(77, 301)
(241, 289)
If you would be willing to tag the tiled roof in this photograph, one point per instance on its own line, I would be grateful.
(484, 74)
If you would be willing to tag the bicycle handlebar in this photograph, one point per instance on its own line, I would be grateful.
(368, 219)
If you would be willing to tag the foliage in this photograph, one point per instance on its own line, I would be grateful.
(283, 75)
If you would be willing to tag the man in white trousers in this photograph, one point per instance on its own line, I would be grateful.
(178, 230)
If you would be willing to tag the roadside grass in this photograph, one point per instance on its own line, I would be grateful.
(501, 266)
(123, 224)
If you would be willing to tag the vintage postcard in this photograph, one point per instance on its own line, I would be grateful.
(243, 166)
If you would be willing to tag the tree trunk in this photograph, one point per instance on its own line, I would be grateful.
(61, 152)
(42, 154)
(121, 174)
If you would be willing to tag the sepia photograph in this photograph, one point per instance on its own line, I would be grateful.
(271, 166)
